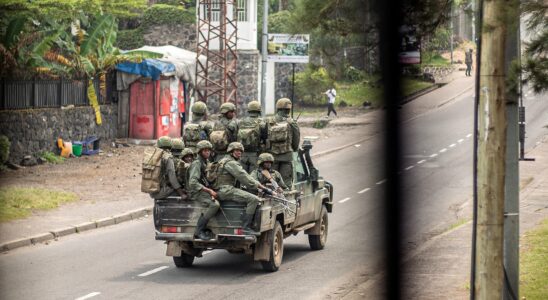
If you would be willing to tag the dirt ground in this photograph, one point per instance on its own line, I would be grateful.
(115, 173)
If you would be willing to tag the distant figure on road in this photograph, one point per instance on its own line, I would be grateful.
(331, 94)
(468, 62)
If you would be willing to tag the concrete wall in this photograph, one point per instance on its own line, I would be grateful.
(36, 130)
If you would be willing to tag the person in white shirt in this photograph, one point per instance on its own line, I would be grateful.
(331, 94)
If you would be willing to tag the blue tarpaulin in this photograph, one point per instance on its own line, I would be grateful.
(152, 68)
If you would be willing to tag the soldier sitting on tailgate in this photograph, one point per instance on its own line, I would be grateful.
(168, 178)
(199, 189)
(229, 176)
(198, 129)
(267, 176)
(186, 158)
(224, 131)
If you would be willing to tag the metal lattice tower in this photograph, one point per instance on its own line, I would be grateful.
(217, 38)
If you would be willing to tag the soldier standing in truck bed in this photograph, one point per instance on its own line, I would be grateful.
(252, 134)
(225, 130)
(198, 129)
(283, 139)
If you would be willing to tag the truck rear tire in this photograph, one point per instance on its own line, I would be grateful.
(276, 238)
(317, 242)
(183, 261)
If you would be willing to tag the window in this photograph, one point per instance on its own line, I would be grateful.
(242, 10)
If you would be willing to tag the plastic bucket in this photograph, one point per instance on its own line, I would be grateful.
(77, 148)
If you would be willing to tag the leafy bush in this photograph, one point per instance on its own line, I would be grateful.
(51, 157)
(130, 39)
(4, 149)
(353, 74)
(311, 84)
(163, 14)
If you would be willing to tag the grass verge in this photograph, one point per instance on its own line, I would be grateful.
(51, 157)
(534, 264)
(18, 202)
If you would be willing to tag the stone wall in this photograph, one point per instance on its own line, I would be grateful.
(180, 35)
(284, 77)
(36, 130)
(247, 73)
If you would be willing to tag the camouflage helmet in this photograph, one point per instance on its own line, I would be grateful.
(264, 157)
(187, 151)
(254, 106)
(204, 145)
(164, 142)
(283, 103)
(177, 144)
(227, 107)
(199, 108)
(235, 146)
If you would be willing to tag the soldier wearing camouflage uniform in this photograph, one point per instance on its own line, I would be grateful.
(264, 173)
(177, 146)
(225, 130)
(198, 129)
(186, 158)
(229, 177)
(199, 190)
(283, 139)
(252, 134)
(168, 182)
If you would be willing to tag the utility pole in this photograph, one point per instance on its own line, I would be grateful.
(264, 54)
(511, 199)
(452, 31)
(491, 153)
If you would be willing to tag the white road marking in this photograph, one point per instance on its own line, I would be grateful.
(206, 252)
(434, 155)
(468, 135)
(381, 182)
(452, 145)
(344, 200)
(460, 141)
(421, 161)
(153, 271)
(409, 168)
(357, 145)
(88, 296)
(363, 191)
(443, 150)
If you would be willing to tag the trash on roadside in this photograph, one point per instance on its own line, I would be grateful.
(90, 146)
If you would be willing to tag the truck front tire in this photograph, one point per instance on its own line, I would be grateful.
(183, 261)
(317, 242)
(276, 243)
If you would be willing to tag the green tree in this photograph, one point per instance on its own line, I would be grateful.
(535, 62)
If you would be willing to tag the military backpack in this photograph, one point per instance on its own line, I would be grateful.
(280, 136)
(249, 134)
(193, 134)
(213, 169)
(219, 137)
(152, 170)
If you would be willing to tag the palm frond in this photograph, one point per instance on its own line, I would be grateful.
(93, 40)
(13, 31)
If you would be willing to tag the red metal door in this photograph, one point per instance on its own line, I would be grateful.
(141, 110)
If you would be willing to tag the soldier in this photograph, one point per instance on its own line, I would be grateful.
(283, 139)
(230, 175)
(252, 134)
(199, 190)
(186, 158)
(177, 146)
(224, 131)
(198, 129)
(168, 177)
(264, 174)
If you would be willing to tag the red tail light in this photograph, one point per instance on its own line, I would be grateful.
(239, 231)
(169, 229)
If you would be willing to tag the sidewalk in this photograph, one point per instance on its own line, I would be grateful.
(440, 269)
(86, 215)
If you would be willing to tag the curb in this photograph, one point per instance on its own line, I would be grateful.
(57, 233)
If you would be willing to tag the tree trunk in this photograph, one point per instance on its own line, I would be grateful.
(491, 153)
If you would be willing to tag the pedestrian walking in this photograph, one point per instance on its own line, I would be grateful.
(331, 94)
(468, 62)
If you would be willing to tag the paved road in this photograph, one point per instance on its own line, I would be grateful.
(125, 262)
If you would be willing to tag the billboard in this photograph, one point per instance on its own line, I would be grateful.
(410, 51)
(288, 48)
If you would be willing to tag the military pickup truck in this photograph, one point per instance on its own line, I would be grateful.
(305, 208)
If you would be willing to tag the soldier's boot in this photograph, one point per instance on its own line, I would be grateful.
(247, 220)
(200, 233)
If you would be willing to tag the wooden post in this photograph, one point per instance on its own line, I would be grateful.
(491, 153)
